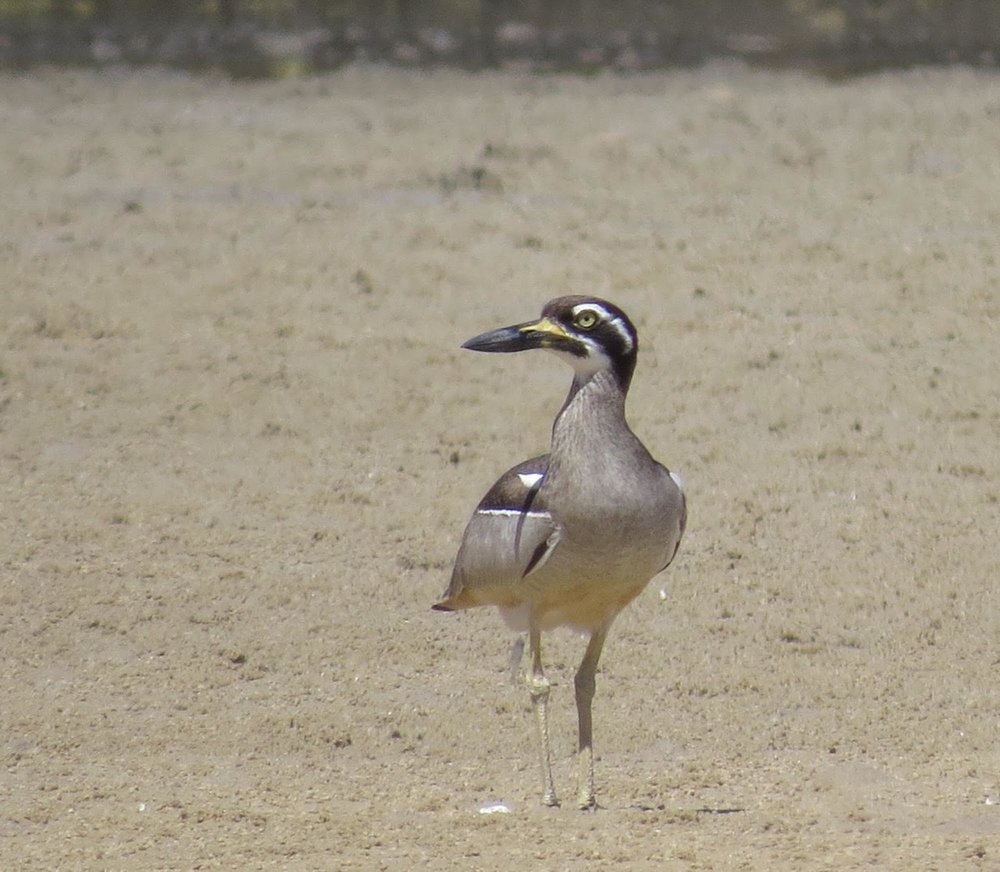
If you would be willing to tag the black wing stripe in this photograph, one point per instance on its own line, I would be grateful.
(536, 557)
(528, 500)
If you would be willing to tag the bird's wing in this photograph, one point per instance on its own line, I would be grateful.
(510, 535)
(682, 514)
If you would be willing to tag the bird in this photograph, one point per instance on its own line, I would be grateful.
(569, 538)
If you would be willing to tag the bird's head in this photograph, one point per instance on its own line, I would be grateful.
(591, 334)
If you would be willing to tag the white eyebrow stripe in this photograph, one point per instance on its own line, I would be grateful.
(624, 333)
(579, 307)
(529, 479)
(613, 320)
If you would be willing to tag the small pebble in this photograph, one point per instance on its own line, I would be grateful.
(495, 808)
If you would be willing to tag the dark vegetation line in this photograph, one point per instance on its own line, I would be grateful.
(262, 38)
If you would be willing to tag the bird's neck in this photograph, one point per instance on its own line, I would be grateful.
(592, 454)
(602, 383)
(595, 405)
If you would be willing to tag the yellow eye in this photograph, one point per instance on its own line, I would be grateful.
(585, 319)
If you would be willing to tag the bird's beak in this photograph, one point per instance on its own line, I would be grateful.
(519, 337)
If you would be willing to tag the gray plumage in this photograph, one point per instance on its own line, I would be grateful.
(571, 537)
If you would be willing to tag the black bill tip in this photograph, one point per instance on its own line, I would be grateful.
(504, 340)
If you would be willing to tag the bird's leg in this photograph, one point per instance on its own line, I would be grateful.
(538, 686)
(516, 653)
(585, 685)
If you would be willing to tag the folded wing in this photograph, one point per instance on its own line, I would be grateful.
(510, 535)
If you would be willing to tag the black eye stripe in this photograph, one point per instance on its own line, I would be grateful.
(611, 336)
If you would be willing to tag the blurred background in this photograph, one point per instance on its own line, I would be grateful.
(274, 38)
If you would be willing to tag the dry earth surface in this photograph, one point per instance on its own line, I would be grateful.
(239, 443)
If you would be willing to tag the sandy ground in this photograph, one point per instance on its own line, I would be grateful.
(239, 443)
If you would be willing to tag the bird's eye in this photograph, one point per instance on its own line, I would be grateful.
(585, 319)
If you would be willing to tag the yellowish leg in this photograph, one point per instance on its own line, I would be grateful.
(516, 653)
(538, 685)
(585, 685)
